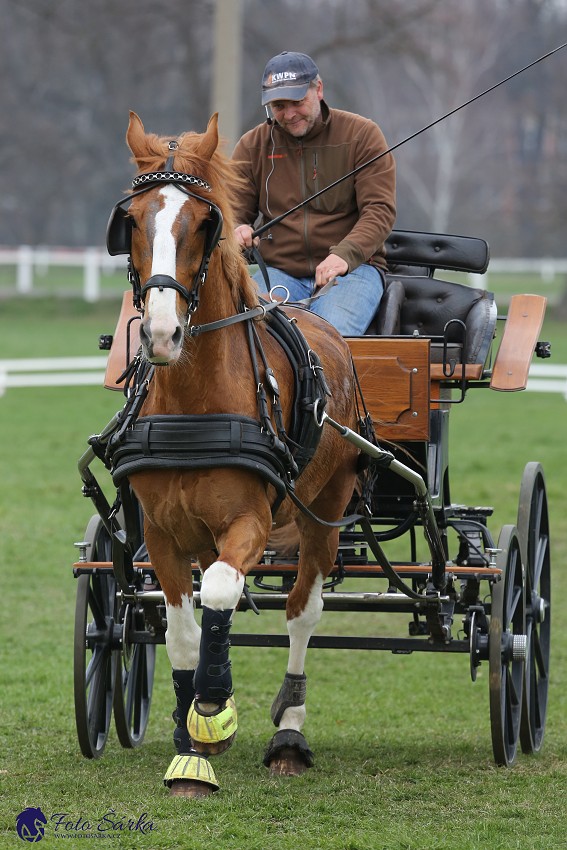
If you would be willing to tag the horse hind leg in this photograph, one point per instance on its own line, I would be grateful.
(288, 753)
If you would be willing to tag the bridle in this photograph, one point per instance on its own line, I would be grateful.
(119, 234)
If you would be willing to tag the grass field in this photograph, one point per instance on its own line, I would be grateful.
(402, 744)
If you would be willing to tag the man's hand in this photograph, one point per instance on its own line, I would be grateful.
(243, 235)
(331, 267)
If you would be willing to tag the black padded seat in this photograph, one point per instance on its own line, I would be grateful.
(414, 305)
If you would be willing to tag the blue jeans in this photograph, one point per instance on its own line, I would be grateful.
(350, 305)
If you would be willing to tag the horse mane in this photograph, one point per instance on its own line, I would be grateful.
(220, 172)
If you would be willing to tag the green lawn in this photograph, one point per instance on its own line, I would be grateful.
(402, 743)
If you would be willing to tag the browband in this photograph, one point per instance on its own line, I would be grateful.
(169, 177)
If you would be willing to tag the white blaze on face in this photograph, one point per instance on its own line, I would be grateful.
(160, 306)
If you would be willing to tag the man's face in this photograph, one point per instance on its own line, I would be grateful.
(297, 117)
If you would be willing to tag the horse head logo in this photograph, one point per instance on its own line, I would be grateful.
(30, 824)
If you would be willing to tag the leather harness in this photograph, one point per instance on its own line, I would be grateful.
(260, 445)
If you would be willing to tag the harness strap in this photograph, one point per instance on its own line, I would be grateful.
(261, 310)
(341, 523)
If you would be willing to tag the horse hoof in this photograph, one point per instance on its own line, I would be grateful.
(190, 775)
(210, 749)
(190, 788)
(288, 763)
(288, 754)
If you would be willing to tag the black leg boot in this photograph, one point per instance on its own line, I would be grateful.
(185, 694)
(213, 677)
(212, 719)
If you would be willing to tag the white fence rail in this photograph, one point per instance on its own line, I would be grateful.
(52, 372)
(31, 263)
(548, 378)
(85, 371)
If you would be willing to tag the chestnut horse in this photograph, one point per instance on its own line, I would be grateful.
(190, 276)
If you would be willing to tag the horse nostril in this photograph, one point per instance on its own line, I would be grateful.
(144, 336)
(177, 336)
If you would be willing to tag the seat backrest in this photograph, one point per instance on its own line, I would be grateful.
(424, 306)
(435, 251)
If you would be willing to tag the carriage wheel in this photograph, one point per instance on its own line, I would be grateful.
(507, 648)
(533, 528)
(134, 681)
(94, 658)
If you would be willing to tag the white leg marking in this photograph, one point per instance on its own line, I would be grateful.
(300, 630)
(302, 627)
(293, 718)
(183, 635)
(221, 587)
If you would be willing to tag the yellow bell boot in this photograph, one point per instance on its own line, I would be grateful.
(213, 733)
(190, 776)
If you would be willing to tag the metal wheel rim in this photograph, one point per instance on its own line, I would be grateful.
(533, 529)
(94, 657)
(134, 685)
(506, 674)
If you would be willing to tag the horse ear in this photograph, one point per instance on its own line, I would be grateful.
(136, 136)
(209, 143)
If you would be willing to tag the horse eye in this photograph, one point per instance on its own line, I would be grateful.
(132, 220)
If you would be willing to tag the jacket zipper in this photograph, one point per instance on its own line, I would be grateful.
(303, 196)
(315, 173)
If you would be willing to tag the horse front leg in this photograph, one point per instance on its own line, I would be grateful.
(288, 753)
(189, 774)
(212, 721)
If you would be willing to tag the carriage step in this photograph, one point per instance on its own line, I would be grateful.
(404, 570)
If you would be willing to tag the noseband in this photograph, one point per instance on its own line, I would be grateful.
(119, 234)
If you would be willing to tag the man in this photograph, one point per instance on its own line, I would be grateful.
(303, 147)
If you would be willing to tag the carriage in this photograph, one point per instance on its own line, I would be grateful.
(432, 342)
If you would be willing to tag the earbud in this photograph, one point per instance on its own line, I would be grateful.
(269, 119)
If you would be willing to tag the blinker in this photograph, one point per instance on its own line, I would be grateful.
(120, 225)
(119, 232)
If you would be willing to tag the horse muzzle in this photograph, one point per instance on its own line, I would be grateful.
(161, 330)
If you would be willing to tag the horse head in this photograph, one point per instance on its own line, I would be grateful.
(172, 226)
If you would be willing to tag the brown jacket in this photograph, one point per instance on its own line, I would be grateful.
(352, 220)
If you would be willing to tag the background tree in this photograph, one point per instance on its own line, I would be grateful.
(72, 70)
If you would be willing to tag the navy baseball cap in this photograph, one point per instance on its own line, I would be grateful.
(287, 77)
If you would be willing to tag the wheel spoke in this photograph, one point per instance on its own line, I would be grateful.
(540, 560)
(539, 658)
(98, 702)
(513, 697)
(96, 609)
(516, 600)
(94, 665)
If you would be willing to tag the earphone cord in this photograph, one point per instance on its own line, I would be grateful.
(271, 123)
